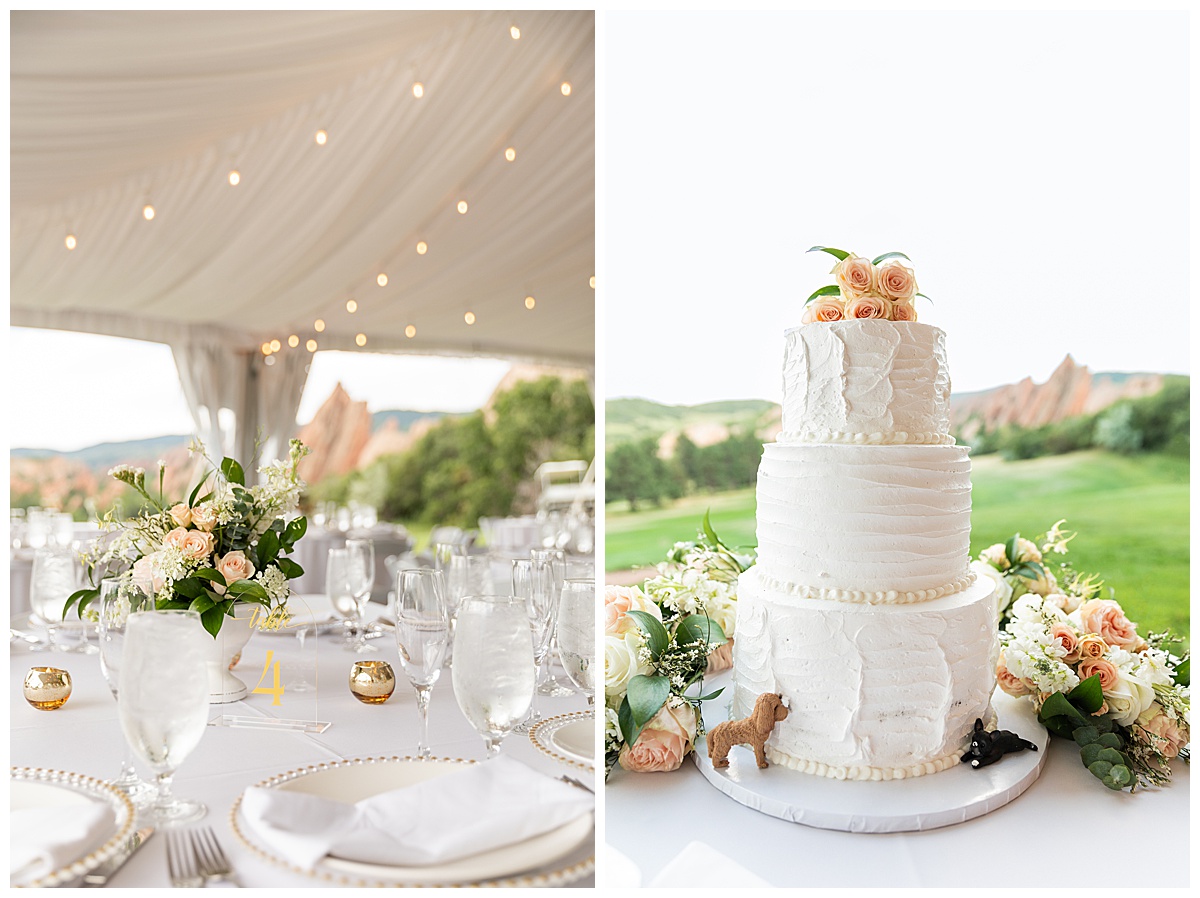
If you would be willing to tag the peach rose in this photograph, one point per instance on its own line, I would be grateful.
(1065, 635)
(204, 516)
(1105, 618)
(194, 544)
(664, 742)
(1010, 682)
(855, 275)
(902, 310)
(147, 575)
(1092, 646)
(1109, 675)
(234, 566)
(996, 557)
(1169, 734)
(181, 514)
(867, 307)
(895, 281)
(824, 308)
(618, 601)
(720, 658)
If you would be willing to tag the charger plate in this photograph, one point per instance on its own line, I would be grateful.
(35, 787)
(567, 738)
(955, 795)
(550, 859)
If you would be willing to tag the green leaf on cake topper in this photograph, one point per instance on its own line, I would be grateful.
(923, 296)
(838, 254)
(831, 290)
(879, 259)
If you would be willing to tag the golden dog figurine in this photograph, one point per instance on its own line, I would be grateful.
(753, 730)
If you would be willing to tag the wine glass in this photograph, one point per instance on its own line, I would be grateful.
(466, 575)
(577, 634)
(119, 597)
(362, 551)
(54, 577)
(547, 683)
(422, 634)
(494, 674)
(534, 582)
(345, 575)
(162, 700)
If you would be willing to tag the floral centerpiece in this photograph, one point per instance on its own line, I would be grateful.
(882, 288)
(660, 640)
(1123, 698)
(219, 549)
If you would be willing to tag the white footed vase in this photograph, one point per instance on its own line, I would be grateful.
(223, 686)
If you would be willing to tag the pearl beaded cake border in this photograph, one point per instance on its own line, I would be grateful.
(864, 597)
(899, 437)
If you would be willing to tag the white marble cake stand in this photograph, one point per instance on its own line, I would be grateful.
(923, 802)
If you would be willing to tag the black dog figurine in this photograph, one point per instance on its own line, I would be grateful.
(987, 748)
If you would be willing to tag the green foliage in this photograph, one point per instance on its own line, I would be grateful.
(1117, 432)
(635, 473)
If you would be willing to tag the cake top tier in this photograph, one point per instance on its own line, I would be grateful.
(866, 381)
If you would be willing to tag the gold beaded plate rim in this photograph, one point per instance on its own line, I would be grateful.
(93, 788)
(549, 724)
(547, 879)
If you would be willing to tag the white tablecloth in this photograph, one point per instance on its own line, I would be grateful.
(1066, 821)
(84, 736)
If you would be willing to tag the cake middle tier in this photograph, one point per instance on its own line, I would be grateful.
(884, 523)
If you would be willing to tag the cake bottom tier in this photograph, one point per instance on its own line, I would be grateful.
(873, 691)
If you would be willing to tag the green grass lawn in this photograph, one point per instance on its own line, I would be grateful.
(1131, 514)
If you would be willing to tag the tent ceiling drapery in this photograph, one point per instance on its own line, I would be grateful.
(111, 111)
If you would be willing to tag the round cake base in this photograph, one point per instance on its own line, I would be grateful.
(917, 803)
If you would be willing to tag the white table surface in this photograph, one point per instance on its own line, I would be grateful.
(84, 736)
(1067, 828)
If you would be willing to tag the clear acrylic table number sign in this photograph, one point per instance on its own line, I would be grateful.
(295, 693)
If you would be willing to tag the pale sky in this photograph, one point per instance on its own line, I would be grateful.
(82, 389)
(1034, 166)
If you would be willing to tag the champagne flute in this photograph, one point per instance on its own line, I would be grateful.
(533, 581)
(364, 549)
(547, 683)
(344, 578)
(577, 634)
(494, 674)
(120, 597)
(162, 700)
(422, 634)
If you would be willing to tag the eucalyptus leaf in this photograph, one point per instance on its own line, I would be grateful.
(699, 628)
(646, 696)
(1086, 735)
(1111, 755)
(1109, 740)
(831, 290)
(657, 638)
(838, 254)
(1100, 768)
(233, 472)
(1090, 753)
(625, 722)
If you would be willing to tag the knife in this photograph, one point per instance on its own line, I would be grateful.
(101, 875)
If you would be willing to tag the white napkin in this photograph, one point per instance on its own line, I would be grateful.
(42, 840)
(702, 865)
(475, 809)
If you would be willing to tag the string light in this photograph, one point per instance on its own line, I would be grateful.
(530, 302)
(418, 89)
(515, 32)
(360, 339)
(276, 346)
(510, 154)
(469, 317)
(592, 281)
(147, 212)
(351, 306)
(70, 242)
(266, 348)
(311, 345)
(235, 178)
(381, 280)
(319, 325)
(293, 341)
(462, 207)
(269, 360)
(566, 88)
(321, 137)
(410, 331)
(422, 247)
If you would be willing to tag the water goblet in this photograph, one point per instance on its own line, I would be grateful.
(534, 582)
(422, 635)
(55, 576)
(119, 597)
(577, 634)
(162, 700)
(466, 575)
(362, 551)
(548, 684)
(443, 552)
(494, 675)
(345, 575)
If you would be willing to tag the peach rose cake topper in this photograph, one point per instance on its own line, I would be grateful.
(880, 288)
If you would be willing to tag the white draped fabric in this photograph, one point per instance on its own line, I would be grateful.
(111, 111)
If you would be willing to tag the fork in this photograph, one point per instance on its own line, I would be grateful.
(181, 862)
(214, 866)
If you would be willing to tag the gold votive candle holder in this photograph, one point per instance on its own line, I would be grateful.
(47, 688)
(372, 682)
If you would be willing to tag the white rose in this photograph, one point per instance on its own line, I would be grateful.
(1001, 589)
(622, 662)
(1129, 698)
(994, 555)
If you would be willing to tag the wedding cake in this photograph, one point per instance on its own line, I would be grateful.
(862, 610)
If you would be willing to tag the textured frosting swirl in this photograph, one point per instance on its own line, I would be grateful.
(866, 376)
(900, 437)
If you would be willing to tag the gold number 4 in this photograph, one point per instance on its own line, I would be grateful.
(276, 689)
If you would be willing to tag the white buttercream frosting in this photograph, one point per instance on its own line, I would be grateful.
(871, 439)
(868, 377)
(866, 519)
(874, 692)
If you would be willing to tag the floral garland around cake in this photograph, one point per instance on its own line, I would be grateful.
(1124, 699)
(660, 639)
(882, 288)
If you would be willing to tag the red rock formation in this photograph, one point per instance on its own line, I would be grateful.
(337, 435)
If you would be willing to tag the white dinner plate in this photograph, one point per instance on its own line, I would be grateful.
(569, 738)
(33, 787)
(550, 859)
